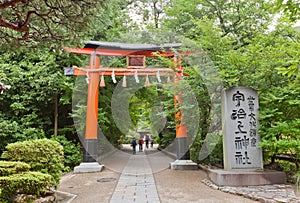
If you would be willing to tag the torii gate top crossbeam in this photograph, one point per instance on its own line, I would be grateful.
(126, 49)
(135, 54)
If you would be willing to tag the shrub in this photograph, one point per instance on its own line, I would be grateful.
(9, 167)
(42, 155)
(34, 183)
(215, 151)
(72, 152)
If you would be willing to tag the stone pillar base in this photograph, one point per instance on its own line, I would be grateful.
(246, 178)
(182, 150)
(90, 150)
(88, 167)
(183, 165)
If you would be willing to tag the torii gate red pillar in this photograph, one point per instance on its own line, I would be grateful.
(91, 128)
(181, 132)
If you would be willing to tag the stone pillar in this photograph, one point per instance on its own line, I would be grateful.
(240, 129)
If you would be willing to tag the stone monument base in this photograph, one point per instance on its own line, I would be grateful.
(183, 165)
(246, 178)
(88, 167)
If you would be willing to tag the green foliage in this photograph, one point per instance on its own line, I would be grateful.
(43, 155)
(236, 19)
(149, 12)
(142, 104)
(280, 123)
(27, 110)
(212, 151)
(72, 152)
(37, 80)
(106, 120)
(287, 166)
(162, 104)
(167, 139)
(199, 88)
(34, 183)
(8, 131)
(111, 21)
(290, 8)
(247, 53)
(9, 167)
(282, 138)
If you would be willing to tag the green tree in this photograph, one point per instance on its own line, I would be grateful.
(238, 19)
(30, 22)
(149, 13)
(36, 75)
(264, 59)
(111, 21)
(27, 109)
(290, 8)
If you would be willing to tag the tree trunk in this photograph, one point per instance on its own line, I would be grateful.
(56, 114)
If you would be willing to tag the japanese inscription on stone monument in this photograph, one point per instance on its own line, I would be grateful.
(240, 129)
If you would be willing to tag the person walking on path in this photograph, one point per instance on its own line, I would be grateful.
(151, 141)
(141, 142)
(147, 141)
(133, 144)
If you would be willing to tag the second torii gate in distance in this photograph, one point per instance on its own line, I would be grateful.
(136, 64)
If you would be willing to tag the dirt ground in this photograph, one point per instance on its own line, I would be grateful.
(185, 186)
(88, 187)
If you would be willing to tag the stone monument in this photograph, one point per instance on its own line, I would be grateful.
(240, 129)
(243, 163)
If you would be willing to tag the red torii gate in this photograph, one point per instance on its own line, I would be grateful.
(136, 55)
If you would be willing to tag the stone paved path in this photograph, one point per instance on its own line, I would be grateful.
(136, 183)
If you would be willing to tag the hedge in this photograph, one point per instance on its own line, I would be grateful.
(12, 167)
(44, 155)
(34, 183)
(72, 152)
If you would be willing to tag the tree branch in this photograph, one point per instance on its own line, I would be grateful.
(28, 20)
(10, 25)
(220, 17)
(20, 27)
